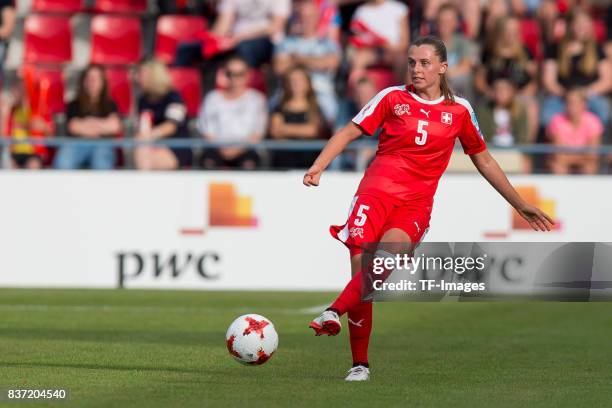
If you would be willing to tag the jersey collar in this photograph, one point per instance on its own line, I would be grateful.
(424, 101)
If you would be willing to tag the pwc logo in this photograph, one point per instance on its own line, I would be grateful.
(226, 208)
(518, 223)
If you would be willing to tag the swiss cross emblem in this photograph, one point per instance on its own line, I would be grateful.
(447, 118)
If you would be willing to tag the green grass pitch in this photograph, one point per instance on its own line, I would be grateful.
(167, 349)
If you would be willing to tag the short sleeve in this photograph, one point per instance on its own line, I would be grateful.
(470, 136)
(596, 128)
(281, 8)
(175, 110)
(374, 113)
(283, 47)
(554, 127)
(226, 6)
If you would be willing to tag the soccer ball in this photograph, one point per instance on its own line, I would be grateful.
(251, 339)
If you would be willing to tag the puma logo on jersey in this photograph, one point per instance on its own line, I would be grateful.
(417, 225)
(358, 324)
(355, 231)
(426, 112)
(401, 109)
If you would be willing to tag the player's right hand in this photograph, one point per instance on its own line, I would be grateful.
(312, 176)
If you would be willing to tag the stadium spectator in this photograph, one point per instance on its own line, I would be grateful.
(7, 26)
(247, 28)
(328, 25)
(493, 11)
(91, 115)
(19, 122)
(461, 51)
(577, 127)
(508, 58)
(608, 46)
(552, 26)
(320, 55)
(298, 117)
(469, 9)
(197, 7)
(252, 27)
(233, 114)
(363, 92)
(578, 61)
(504, 120)
(163, 115)
(381, 35)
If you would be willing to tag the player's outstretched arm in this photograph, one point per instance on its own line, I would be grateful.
(488, 167)
(333, 148)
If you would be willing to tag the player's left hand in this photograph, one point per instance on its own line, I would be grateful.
(312, 176)
(538, 219)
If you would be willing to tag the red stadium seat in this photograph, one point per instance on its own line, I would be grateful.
(188, 83)
(55, 102)
(172, 30)
(58, 6)
(530, 32)
(120, 6)
(381, 77)
(48, 39)
(120, 89)
(115, 40)
(258, 81)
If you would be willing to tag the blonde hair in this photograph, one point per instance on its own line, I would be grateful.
(495, 43)
(160, 82)
(588, 62)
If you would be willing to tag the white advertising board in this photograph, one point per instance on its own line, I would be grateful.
(266, 230)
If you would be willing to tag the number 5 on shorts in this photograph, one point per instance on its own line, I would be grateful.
(362, 217)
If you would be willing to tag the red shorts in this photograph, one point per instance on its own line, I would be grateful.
(371, 216)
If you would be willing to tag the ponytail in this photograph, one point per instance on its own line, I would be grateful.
(447, 92)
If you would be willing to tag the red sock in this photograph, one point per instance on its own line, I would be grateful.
(353, 292)
(350, 297)
(360, 327)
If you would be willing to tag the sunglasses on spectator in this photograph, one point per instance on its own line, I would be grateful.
(235, 74)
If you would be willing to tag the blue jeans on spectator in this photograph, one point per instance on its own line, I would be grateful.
(255, 52)
(187, 53)
(553, 105)
(75, 157)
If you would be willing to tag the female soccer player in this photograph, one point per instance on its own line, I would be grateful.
(393, 203)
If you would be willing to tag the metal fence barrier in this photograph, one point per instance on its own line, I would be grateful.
(272, 145)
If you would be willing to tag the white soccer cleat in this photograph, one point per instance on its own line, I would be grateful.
(327, 323)
(359, 373)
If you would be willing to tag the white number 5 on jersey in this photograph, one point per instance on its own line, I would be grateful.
(422, 138)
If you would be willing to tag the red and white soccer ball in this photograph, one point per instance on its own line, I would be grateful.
(251, 339)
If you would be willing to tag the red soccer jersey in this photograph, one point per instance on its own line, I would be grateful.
(415, 143)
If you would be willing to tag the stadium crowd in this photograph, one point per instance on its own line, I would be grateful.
(536, 71)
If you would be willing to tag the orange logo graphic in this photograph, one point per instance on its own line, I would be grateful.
(228, 209)
(532, 196)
